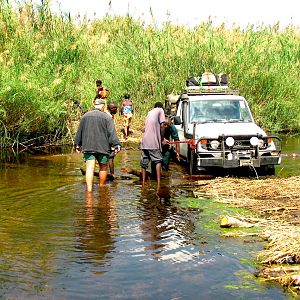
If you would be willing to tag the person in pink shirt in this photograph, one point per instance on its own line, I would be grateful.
(152, 140)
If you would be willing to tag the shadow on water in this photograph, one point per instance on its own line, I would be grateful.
(123, 241)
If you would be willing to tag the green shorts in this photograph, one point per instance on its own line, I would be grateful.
(100, 157)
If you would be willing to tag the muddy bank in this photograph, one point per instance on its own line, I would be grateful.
(276, 204)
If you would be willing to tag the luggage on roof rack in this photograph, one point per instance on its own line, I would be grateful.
(210, 79)
(208, 84)
(207, 79)
(192, 81)
(223, 79)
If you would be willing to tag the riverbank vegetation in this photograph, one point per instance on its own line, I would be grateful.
(49, 65)
(275, 203)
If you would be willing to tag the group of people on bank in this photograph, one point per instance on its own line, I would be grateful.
(126, 109)
(97, 137)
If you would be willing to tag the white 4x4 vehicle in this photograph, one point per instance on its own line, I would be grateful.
(216, 130)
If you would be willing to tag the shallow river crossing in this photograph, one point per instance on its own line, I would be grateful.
(124, 241)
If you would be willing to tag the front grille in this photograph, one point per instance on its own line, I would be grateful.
(240, 143)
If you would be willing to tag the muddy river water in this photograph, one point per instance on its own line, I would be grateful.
(123, 241)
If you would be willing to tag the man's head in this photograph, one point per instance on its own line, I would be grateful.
(167, 122)
(98, 83)
(158, 104)
(99, 103)
(112, 108)
(126, 96)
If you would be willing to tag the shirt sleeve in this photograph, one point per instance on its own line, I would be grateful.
(174, 133)
(161, 116)
(113, 137)
(78, 137)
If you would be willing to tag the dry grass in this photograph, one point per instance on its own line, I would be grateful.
(275, 198)
(276, 202)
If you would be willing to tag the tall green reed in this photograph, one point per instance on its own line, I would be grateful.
(49, 61)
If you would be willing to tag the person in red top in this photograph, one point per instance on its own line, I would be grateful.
(102, 92)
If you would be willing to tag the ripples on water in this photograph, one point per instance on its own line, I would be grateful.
(119, 242)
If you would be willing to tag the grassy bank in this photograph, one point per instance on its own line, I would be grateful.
(48, 61)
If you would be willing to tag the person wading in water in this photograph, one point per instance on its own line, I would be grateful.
(95, 137)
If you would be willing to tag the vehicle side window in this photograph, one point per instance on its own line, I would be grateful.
(244, 112)
(197, 113)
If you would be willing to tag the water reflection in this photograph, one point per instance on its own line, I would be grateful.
(290, 157)
(155, 213)
(96, 236)
(165, 228)
(164, 194)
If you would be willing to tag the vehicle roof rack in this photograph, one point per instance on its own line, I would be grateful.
(210, 90)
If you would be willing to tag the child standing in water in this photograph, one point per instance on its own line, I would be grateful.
(126, 112)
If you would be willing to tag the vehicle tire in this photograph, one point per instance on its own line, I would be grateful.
(270, 170)
(191, 161)
(266, 171)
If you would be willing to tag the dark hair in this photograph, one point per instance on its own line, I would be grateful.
(126, 96)
(112, 104)
(99, 82)
(158, 104)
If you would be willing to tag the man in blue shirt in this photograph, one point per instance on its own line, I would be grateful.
(170, 133)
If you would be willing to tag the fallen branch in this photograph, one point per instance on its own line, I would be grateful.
(240, 234)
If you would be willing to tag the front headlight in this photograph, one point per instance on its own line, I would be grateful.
(214, 144)
(254, 141)
(229, 141)
(261, 143)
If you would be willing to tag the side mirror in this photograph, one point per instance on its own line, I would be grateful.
(167, 107)
(177, 120)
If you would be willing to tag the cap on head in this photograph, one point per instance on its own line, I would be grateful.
(99, 102)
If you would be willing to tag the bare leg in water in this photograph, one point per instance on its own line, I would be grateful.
(158, 174)
(103, 170)
(144, 173)
(111, 167)
(89, 174)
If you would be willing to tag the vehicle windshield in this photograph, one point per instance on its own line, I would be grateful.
(219, 111)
